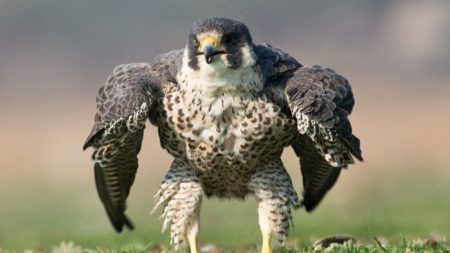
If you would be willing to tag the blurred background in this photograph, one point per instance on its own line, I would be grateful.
(55, 54)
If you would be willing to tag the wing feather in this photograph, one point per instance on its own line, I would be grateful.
(320, 100)
(315, 96)
(123, 103)
(318, 175)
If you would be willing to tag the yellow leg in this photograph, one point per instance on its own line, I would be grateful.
(193, 245)
(266, 243)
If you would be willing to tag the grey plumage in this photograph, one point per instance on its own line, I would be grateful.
(226, 137)
(321, 100)
(122, 106)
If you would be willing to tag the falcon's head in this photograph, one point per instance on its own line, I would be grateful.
(219, 43)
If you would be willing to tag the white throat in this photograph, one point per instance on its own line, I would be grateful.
(219, 87)
(216, 77)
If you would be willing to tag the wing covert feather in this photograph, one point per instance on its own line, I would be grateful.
(321, 101)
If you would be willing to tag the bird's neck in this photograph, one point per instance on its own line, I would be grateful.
(217, 79)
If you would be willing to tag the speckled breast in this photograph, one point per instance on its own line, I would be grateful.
(231, 131)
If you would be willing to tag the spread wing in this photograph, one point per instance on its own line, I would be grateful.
(320, 100)
(123, 104)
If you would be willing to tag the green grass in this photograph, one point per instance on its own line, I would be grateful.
(39, 218)
(405, 245)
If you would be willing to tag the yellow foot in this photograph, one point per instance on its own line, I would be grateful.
(266, 243)
(193, 244)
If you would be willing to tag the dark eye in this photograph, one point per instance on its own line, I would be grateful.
(229, 38)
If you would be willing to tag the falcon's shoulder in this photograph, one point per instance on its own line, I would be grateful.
(130, 86)
(126, 90)
(169, 64)
(274, 62)
(276, 67)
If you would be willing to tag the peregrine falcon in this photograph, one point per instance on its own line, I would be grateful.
(225, 109)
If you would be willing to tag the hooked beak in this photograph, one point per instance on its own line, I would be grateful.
(210, 47)
(209, 53)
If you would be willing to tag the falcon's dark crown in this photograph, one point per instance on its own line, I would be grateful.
(233, 35)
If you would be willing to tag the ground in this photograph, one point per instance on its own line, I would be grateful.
(402, 215)
(428, 245)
